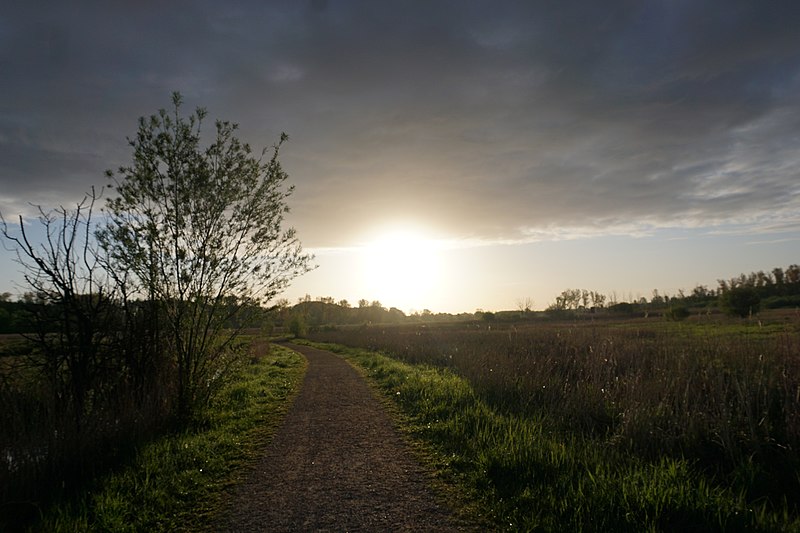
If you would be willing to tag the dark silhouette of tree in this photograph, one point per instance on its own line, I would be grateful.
(72, 318)
(741, 301)
(192, 229)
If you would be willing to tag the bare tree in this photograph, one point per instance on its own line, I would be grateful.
(525, 305)
(76, 304)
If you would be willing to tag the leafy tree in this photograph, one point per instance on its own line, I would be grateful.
(598, 299)
(792, 274)
(741, 301)
(568, 299)
(657, 298)
(778, 276)
(192, 228)
(701, 292)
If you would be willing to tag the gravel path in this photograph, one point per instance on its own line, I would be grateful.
(336, 464)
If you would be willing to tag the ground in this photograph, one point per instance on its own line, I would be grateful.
(337, 464)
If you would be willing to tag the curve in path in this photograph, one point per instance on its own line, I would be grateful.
(336, 464)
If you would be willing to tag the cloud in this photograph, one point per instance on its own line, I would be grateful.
(496, 123)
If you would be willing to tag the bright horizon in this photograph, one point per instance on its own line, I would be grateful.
(445, 157)
(578, 263)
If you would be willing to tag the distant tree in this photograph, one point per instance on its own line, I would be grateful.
(74, 312)
(395, 315)
(741, 301)
(298, 326)
(525, 305)
(657, 299)
(344, 304)
(598, 300)
(191, 226)
(763, 279)
(777, 275)
(700, 292)
(585, 298)
(570, 299)
(793, 274)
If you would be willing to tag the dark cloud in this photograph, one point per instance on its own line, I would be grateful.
(495, 120)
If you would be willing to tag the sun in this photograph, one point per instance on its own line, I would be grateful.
(402, 268)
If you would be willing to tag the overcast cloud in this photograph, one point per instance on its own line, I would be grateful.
(490, 120)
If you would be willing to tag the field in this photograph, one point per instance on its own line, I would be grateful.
(602, 424)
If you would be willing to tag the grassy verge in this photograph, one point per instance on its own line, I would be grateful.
(176, 483)
(525, 475)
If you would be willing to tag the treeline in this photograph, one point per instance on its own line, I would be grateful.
(324, 311)
(15, 316)
(776, 288)
(742, 295)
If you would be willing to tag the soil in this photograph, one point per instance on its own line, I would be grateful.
(337, 464)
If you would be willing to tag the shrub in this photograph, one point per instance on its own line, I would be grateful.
(298, 326)
(741, 301)
(676, 313)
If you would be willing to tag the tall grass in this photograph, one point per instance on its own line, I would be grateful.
(43, 455)
(175, 481)
(720, 405)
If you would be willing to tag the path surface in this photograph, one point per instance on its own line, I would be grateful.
(336, 464)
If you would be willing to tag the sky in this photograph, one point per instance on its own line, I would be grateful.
(446, 155)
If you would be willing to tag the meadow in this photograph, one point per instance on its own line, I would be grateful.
(598, 424)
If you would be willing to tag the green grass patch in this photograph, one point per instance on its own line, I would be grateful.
(176, 482)
(523, 474)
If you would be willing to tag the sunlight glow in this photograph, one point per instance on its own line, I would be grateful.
(402, 268)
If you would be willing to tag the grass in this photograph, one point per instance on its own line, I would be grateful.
(177, 482)
(605, 448)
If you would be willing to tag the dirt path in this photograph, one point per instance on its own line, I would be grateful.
(336, 464)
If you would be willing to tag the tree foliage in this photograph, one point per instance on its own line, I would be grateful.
(192, 229)
(741, 301)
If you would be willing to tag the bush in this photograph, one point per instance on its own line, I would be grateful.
(298, 326)
(778, 302)
(741, 301)
(676, 313)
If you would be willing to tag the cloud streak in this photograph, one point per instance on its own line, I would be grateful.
(512, 123)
